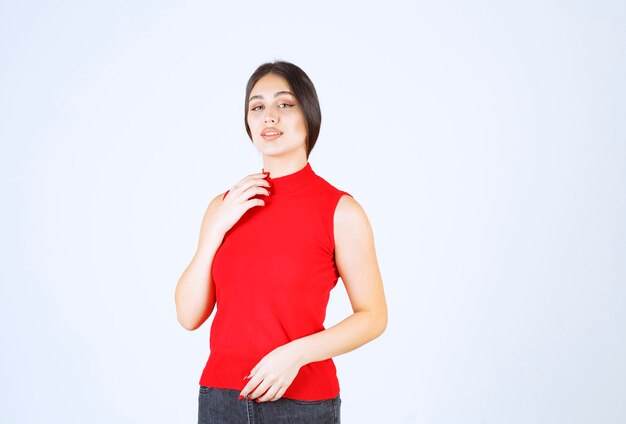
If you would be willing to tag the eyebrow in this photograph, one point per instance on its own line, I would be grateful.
(278, 93)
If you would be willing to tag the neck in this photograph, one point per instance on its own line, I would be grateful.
(279, 168)
(296, 178)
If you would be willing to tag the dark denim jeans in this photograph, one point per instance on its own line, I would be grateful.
(222, 406)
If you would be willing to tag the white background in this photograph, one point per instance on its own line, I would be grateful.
(485, 140)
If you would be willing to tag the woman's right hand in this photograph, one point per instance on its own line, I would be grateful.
(240, 198)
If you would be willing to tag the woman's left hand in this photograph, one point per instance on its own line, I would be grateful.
(273, 374)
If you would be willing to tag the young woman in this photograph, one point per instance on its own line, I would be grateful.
(271, 249)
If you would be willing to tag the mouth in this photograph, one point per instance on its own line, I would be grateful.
(271, 133)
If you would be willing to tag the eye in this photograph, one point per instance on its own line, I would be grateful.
(281, 105)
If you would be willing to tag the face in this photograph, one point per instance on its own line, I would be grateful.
(272, 105)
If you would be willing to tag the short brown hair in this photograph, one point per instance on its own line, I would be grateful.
(303, 90)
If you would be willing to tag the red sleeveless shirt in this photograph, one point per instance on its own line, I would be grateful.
(273, 275)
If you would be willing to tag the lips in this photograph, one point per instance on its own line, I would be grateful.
(270, 132)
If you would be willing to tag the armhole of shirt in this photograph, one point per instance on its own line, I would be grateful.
(332, 217)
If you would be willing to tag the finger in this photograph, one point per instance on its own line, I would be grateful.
(248, 181)
(249, 388)
(259, 391)
(252, 188)
(255, 178)
(244, 392)
(253, 382)
(254, 370)
(263, 396)
(255, 175)
(279, 394)
(260, 181)
(245, 185)
(270, 393)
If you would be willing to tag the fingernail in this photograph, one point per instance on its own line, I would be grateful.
(240, 397)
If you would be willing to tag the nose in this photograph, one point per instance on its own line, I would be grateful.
(270, 116)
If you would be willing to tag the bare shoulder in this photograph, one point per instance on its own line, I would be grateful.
(347, 205)
(350, 217)
(215, 203)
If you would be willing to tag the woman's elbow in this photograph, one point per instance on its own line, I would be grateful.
(187, 325)
(189, 322)
(377, 324)
(381, 324)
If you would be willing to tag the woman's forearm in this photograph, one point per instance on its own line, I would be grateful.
(195, 291)
(349, 334)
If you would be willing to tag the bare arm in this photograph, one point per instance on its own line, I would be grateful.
(195, 291)
(356, 261)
